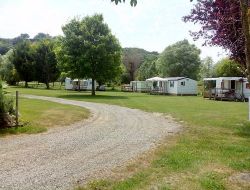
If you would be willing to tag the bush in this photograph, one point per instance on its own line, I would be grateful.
(6, 109)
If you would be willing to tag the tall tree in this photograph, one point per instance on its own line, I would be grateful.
(181, 59)
(41, 36)
(46, 69)
(24, 61)
(90, 50)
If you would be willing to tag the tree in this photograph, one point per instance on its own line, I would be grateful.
(23, 59)
(45, 63)
(225, 23)
(228, 68)
(180, 59)
(206, 68)
(8, 72)
(41, 36)
(148, 68)
(90, 50)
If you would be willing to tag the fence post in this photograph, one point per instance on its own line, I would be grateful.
(249, 108)
(17, 108)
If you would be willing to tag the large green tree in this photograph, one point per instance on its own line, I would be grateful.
(90, 50)
(23, 59)
(228, 68)
(46, 69)
(180, 59)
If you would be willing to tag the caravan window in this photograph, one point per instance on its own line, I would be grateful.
(171, 84)
(247, 86)
(183, 83)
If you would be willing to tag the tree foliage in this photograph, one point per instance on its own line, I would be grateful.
(23, 59)
(228, 68)
(181, 59)
(133, 58)
(206, 68)
(221, 25)
(90, 50)
(8, 72)
(148, 68)
(45, 63)
(6, 109)
(133, 3)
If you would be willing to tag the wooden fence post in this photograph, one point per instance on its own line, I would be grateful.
(17, 108)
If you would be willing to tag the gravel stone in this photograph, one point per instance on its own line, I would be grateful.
(65, 156)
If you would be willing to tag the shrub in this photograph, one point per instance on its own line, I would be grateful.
(6, 109)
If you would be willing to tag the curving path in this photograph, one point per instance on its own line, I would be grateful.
(63, 156)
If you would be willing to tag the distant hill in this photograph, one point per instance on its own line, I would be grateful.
(133, 58)
(5, 45)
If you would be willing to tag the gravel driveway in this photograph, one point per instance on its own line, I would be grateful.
(63, 156)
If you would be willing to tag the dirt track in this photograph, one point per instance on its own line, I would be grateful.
(60, 157)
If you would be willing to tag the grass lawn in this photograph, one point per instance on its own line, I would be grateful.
(38, 116)
(214, 144)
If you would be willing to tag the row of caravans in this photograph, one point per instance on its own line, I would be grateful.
(226, 88)
(170, 85)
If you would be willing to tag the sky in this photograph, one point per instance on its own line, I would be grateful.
(152, 24)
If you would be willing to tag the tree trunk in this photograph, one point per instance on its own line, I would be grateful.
(26, 84)
(93, 87)
(47, 85)
(245, 14)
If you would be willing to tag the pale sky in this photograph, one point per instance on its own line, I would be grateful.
(151, 25)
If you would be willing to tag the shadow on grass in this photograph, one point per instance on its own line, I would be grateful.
(243, 130)
(89, 97)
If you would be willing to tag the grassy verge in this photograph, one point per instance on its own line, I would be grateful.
(38, 116)
(214, 145)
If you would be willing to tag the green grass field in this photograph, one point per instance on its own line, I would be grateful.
(37, 116)
(213, 146)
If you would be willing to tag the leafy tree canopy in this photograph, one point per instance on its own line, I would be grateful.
(228, 68)
(45, 63)
(90, 50)
(181, 59)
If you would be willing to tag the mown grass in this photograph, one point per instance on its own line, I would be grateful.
(214, 143)
(37, 116)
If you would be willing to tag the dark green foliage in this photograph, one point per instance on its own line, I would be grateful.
(90, 50)
(23, 59)
(46, 69)
(181, 59)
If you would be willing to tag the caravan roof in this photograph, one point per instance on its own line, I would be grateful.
(155, 79)
(226, 78)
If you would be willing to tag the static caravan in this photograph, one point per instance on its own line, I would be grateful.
(174, 86)
(77, 84)
(181, 86)
(158, 85)
(226, 88)
(68, 84)
(141, 86)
